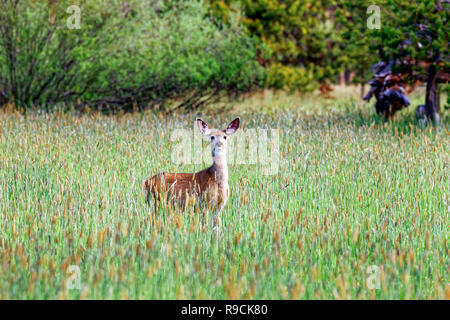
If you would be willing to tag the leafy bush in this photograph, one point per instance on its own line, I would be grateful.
(124, 54)
(42, 60)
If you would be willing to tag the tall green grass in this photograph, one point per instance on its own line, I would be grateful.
(352, 191)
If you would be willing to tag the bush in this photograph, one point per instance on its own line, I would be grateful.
(124, 54)
(42, 60)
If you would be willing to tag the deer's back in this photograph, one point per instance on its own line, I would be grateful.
(178, 185)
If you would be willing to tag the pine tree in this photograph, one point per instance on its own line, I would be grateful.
(413, 37)
(298, 42)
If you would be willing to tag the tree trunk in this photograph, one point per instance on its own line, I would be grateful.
(342, 78)
(432, 101)
(351, 75)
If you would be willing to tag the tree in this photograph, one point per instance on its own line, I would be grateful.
(413, 38)
(298, 45)
(351, 18)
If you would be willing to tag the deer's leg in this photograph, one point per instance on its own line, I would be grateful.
(216, 216)
(146, 189)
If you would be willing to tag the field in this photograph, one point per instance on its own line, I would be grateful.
(350, 193)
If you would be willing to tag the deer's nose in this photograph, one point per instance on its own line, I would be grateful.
(219, 144)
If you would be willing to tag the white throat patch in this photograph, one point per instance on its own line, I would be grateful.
(218, 152)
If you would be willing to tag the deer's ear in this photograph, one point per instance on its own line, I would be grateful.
(203, 127)
(233, 126)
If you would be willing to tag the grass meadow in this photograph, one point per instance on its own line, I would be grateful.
(352, 191)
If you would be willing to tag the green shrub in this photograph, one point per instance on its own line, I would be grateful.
(124, 54)
(298, 39)
(42, 60)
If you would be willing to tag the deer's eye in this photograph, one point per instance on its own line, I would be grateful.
(212, 138)
(225, 137)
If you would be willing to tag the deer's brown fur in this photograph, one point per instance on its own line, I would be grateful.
(182, 186)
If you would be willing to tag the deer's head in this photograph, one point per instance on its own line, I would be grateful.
(218, 138)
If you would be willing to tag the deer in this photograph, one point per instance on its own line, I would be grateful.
(209, 185)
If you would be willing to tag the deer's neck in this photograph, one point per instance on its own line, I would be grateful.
(220, 169)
